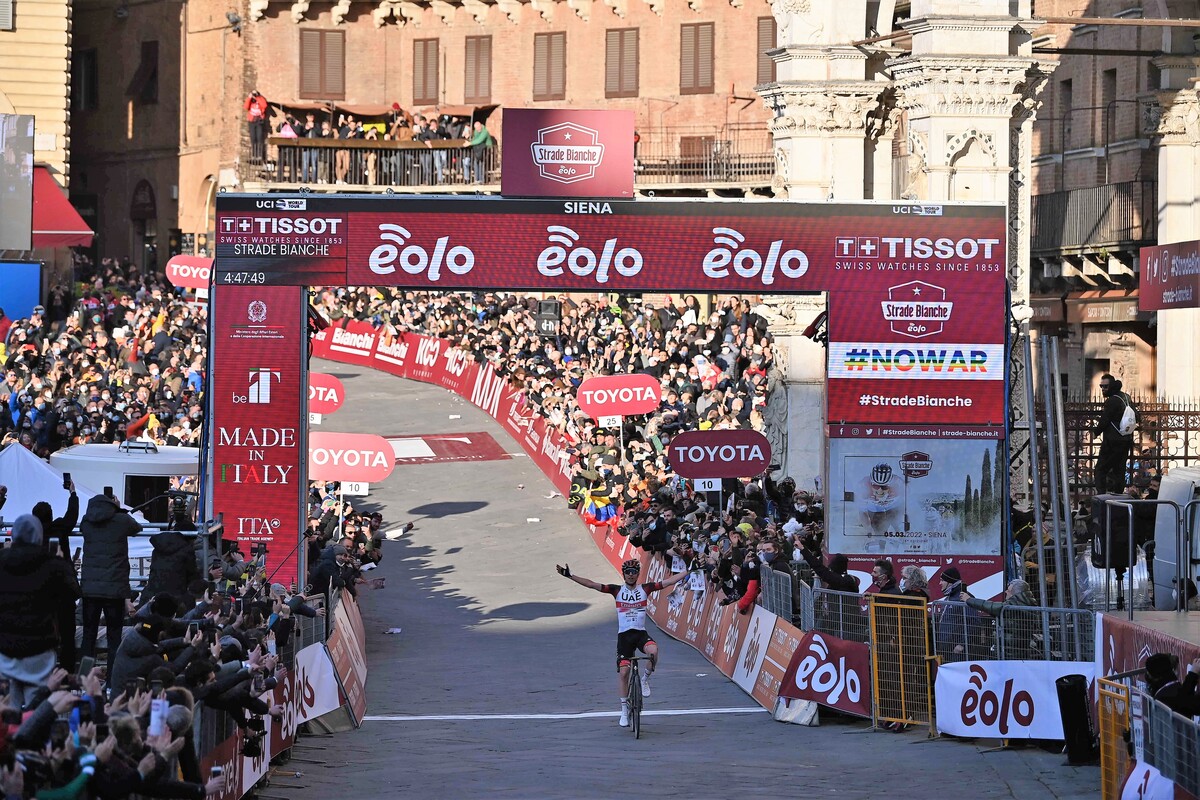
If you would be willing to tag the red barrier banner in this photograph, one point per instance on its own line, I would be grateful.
(1170, 276)
(551, 152)
(257, 455)
(356, 457)
(1122, 646)
(752, 653)
(832, 672)
(785, 639)
(189, 272)
(550, 245)
(719, 454)
(347, 648)
(619, 395)
(325, 393)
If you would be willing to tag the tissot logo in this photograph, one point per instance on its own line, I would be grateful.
(303, 226)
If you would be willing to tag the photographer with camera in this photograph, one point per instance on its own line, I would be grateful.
(174, 564)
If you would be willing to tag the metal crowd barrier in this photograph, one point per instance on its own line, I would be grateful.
(840, 614)
(901, 661)
(1170, 742)
(1027, 633)
(960, 633)
(775, 593)
(805, 606)
(1113, 723)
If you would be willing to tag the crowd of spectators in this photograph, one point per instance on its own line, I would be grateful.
(125, 359)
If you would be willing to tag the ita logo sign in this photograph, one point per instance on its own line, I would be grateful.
(567, 153)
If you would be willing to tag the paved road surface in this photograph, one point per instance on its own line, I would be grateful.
(490, 631)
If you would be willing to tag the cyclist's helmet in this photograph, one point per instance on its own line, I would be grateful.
(881, 474)
(631, 567)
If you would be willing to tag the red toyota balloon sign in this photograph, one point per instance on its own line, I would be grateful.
(619, 395)
(719, 454)
(325, 393)
(356, 457)
(190, 272)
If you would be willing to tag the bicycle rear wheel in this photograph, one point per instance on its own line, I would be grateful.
(635, 702)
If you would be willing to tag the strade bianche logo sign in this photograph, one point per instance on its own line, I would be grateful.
(917, 309)
(567, 153)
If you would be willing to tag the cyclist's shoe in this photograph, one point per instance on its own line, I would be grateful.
(645, 684)
(624, 721)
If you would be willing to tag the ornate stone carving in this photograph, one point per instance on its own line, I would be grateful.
(478, 10)
(257, 9)
(916, 184)
(545, 8)
(511, 9)
(656, 6)
(445, 10)
(411, 12)
(619, 7)
(825, 106)
(956, 144)
(299, 9)
(1180, 120)
(384, 12)
(340, 11)
(582, 8)
(960, 86)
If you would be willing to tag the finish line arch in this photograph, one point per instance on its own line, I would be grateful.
(917, 318)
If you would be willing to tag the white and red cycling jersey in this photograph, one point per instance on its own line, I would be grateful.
(631, 603)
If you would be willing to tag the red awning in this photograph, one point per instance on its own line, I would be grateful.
(56, 223)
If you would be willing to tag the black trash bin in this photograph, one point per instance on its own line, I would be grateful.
(1076, 716)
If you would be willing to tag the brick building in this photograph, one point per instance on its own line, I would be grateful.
(163, 128)
(1095, 175)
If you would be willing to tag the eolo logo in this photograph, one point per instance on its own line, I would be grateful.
(992, 709)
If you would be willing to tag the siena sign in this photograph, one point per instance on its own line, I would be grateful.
(719, 454)
(619, 395)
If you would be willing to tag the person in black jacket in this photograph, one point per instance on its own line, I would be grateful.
(106, 529)
(34, 588)
(57, 535)
(1163, 684)
(1115, 447)
(173, 566)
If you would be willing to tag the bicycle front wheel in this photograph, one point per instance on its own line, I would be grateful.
(635, 703)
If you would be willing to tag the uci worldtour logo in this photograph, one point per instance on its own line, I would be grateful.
(259, 387)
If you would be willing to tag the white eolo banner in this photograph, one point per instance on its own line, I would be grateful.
(915, 496)
(1003, 699)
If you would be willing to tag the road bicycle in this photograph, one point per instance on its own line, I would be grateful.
(635, 695)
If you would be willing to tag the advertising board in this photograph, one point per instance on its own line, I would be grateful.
(1170, 276)
(719, 454)
(551, 152)
(258, 439)
(619, 395)
(361, 457)
(915, 496)
(551, 245)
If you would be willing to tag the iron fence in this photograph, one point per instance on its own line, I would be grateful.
(1113, 215)
(1029, 633)
(373, 163)
(841, 614)
(775, 593)
(1169, 742)
(960, 633)
(730, 153)
(1168, 435)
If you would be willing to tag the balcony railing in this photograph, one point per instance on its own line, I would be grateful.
(678, 157)
(1123, 215)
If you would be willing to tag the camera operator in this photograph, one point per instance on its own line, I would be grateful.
(174, 565)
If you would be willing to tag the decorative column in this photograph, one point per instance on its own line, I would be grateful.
(971, 87)
(1178, 370)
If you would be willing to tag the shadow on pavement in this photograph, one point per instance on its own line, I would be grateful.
(532, 611)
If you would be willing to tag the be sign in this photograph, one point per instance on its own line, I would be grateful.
(362, 457)
(619, 395)
(190, 272)
(325, 393)
(719, 454)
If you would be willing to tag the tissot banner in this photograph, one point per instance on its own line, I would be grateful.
(1003, 699)
(258, 387)
(1170, 276)
(551, 152)
(552, 245)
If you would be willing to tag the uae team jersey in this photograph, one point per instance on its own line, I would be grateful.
(631, 604)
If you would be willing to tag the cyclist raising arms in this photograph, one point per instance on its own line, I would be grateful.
(632, 599)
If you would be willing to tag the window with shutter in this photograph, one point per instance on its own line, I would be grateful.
(477, 88)
(6, 15)
(425, 72)
(549, 66)
(767, 39)
(85, 80)
(696, 58)
(322, 64)
(621, 63)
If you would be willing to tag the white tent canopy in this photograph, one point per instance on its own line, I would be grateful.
(31, 480)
